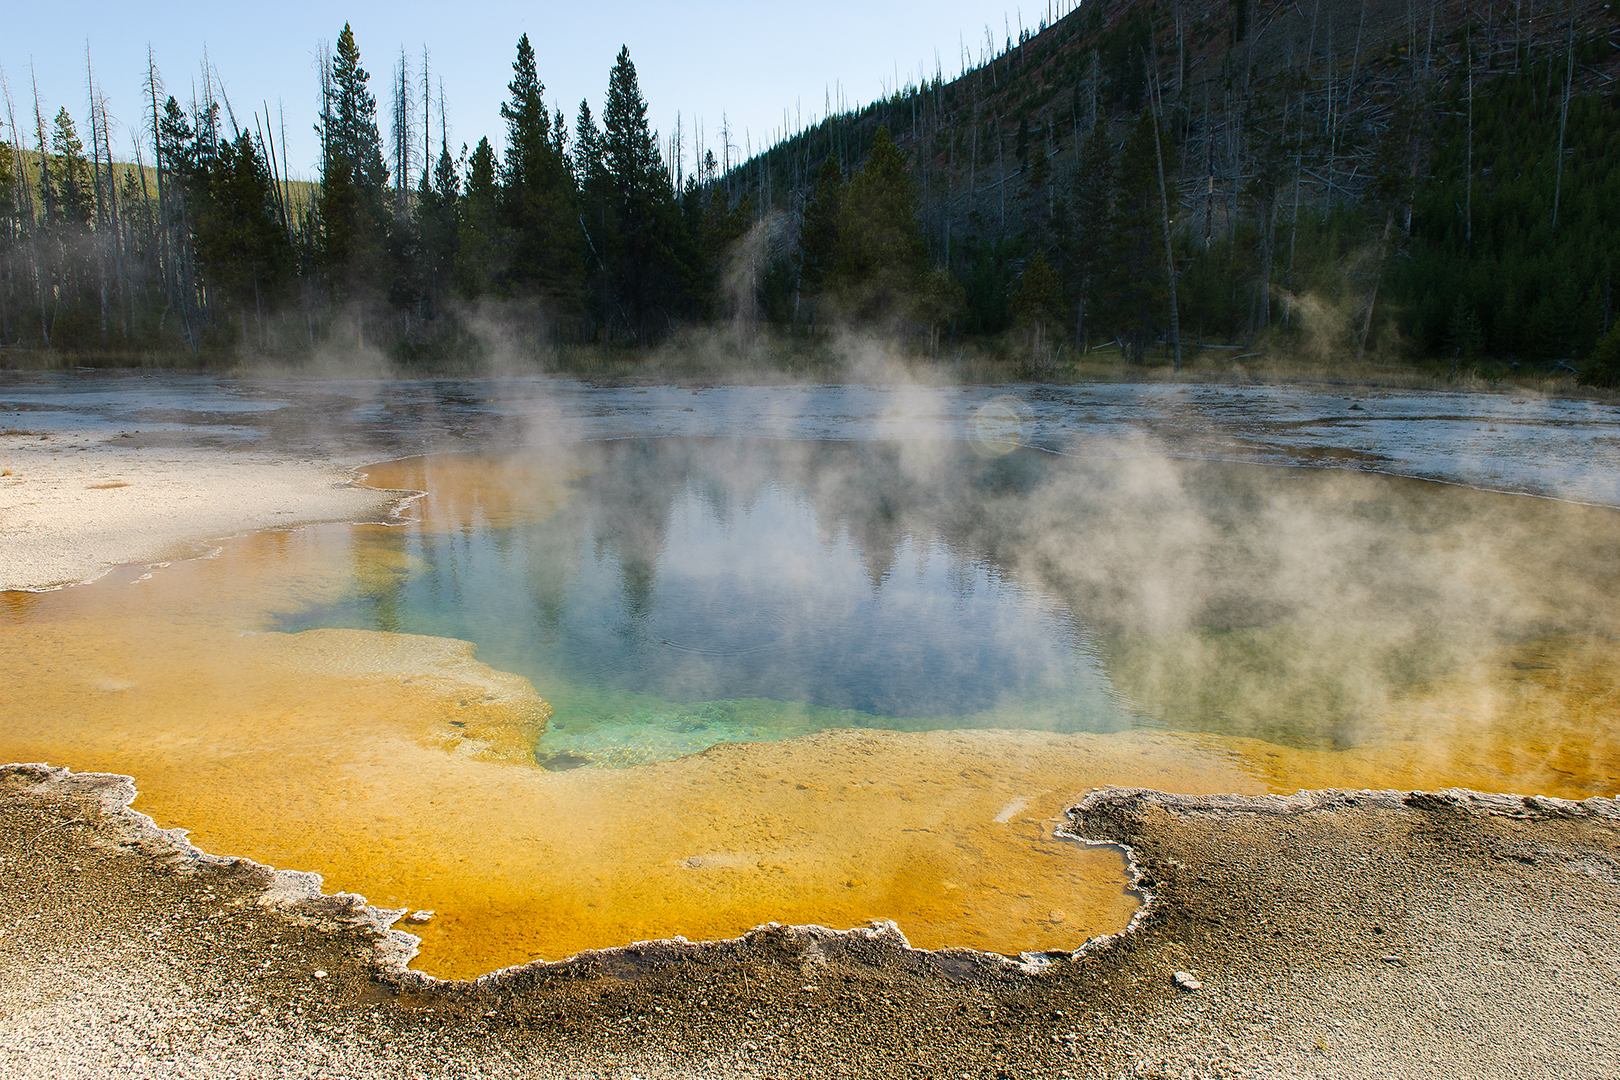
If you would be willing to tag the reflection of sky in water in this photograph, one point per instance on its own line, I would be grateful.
(752, 602)
(673, 599)
(677, 593)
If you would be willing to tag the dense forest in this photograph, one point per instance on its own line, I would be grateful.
(1341, 178)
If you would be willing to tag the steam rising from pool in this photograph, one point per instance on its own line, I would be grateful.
(686, 592)
(919, 652)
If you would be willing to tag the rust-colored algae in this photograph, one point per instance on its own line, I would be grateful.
(401, 768)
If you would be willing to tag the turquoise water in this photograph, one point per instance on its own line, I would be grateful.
(665, 595)
(702, 591)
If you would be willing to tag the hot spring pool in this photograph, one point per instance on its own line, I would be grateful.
(815, 681)
(672, 594)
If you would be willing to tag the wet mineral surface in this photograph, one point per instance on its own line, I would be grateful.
(1229, 627)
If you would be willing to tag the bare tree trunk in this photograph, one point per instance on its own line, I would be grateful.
(973, 164)
(164, 254)
(101, 205)
(1428, 48)
(1563, 114)
(1164, 206)
(1299, 162)
(24, 200)
(1355, 62)
(115, 224)
(1001, 175)
(1209, 161)
(40, 270)
(950, 194)
(1332, 127)
(1093, 78)
(427, 124)
(1372, 301)
(1468, 55)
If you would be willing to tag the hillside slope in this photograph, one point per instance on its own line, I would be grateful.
(1315, 149)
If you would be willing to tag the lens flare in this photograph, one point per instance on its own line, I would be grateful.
(1000, 426)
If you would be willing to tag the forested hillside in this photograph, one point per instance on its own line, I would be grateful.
(1425, 179)
(1340, 178)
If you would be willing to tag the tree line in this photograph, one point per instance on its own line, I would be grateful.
(1134, 181)
(1347, 179)
(211, 247)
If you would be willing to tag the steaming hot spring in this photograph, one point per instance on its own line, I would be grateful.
(620, 690)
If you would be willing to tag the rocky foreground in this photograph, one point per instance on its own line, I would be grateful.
(1328, 934)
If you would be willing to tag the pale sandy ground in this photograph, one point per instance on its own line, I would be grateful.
(75, 504)
(1354, 937)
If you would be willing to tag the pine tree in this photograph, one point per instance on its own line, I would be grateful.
(538, 196)
(595, 204)
(353, 199)
(1135, 290)
(643, 212)
(1602, 368)
(480, 253)
(722, 221)
(75, 198)
(589, 170)
(8, 195)
(818, 235)
(940, 300)
(438, 224)
(1038, 302)
(881, 254)
(176, 147)
(245, 253)
(1093, 223)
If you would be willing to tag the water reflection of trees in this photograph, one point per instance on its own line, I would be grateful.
(1289, 605)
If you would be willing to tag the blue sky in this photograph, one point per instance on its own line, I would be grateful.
(751, 61)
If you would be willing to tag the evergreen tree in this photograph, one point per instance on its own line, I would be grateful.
(245, 253)
(175, 146)
(1603, 366)
(1135, 290)
(1038, 302)
(643, 240)
(538, 196)
(724, 222)
(480, 253)
(8, 193)
(407, 269)
(818, 235)
(881, 254)
(353, 200)
(589, 170)
(940, 301)
(559, 143)
(438, 225)
(1537, 290)
(595, 198)
(1093, 223)
(75, 197)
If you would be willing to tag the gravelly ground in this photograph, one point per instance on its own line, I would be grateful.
(1353, 935)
